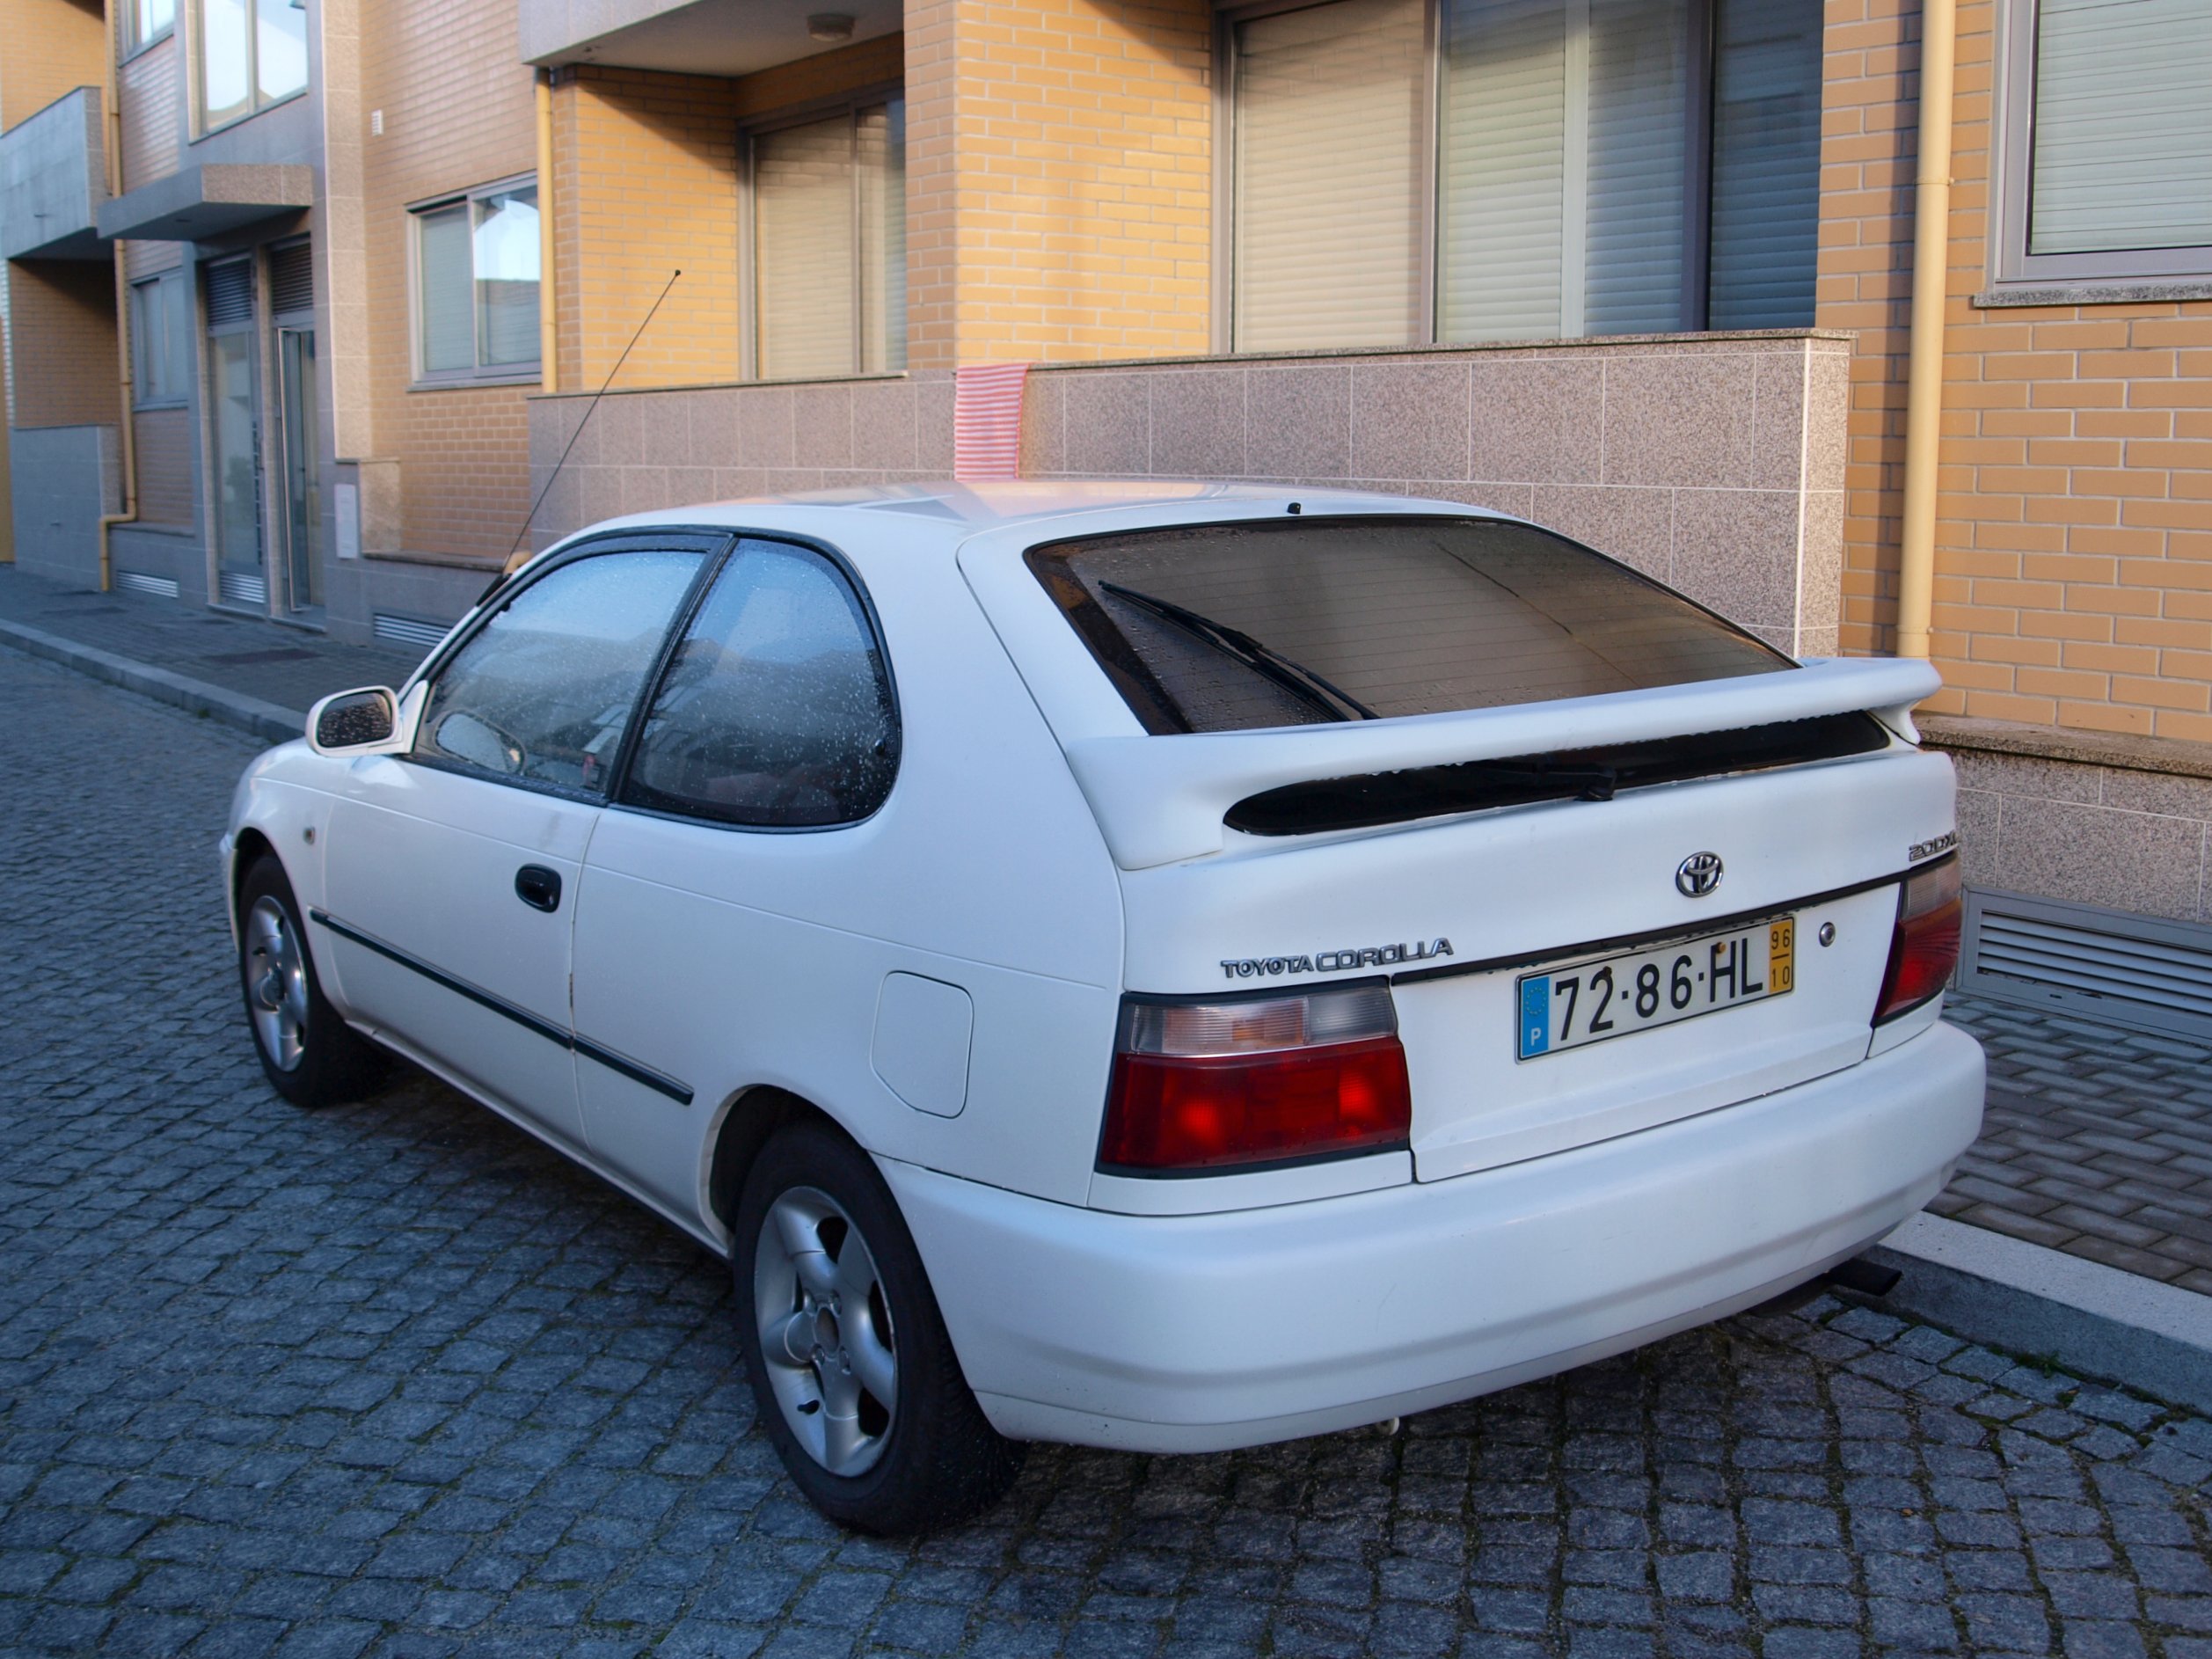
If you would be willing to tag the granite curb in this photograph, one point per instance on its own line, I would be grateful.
(268, 721)
(2089, 1319)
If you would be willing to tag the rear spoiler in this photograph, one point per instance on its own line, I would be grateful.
(1159, 799)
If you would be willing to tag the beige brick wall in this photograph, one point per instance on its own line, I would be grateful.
(2074, 540)
(1059, 179)
(150, 88)
(647, 185)
(61, 323)
(51, 48)
(458, 112)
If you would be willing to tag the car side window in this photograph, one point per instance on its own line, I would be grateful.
(544, 692)
(777, 710)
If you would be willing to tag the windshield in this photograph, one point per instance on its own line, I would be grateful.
(1299, 622)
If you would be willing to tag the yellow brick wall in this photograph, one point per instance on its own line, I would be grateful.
(646, 183)
(2073, 537)
(61, 323)
(51, 48)
(458, 112)
(1059, 179)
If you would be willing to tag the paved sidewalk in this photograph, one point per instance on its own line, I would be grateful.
(2099, 1141)
(267, 662)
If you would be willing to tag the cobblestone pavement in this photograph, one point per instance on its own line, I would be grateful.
(288, 667)
(394, 1380)
(2097, 1141)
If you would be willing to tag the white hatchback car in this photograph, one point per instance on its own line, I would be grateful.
(1161, 967)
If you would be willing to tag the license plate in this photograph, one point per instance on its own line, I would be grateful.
(1638, 990)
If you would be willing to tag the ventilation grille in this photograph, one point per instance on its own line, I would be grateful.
(139, 582)
(2129, 970)
(410, 630)
(291, 279)
(229, 293)
(245, 588)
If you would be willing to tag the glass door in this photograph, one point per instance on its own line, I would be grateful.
(239, 576)
(302, 476)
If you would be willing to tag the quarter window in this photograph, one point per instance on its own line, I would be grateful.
(252, 53)
(544, 692)
(830, 244)
(477, 285)
(2106, 168)
(1407, 170)
(777, 711)
(161, 341)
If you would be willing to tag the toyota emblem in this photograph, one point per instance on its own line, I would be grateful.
(1698, 875)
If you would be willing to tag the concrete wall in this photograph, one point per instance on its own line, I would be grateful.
(64, 479)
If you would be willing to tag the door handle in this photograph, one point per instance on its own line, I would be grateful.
(538, 887)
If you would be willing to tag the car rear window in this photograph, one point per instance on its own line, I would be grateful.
(1301, 621)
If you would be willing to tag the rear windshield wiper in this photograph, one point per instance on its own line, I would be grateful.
(1588, 783)
(1300, 681)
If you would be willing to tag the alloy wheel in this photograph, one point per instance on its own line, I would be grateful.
(825, 1331)
(276, 983)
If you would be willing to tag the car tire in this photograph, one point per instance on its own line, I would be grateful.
(310, 1055)
(824, 1326)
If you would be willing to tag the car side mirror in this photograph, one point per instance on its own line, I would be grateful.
(365, 722)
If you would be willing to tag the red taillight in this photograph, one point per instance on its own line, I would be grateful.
(1925, 949)
(1214, 1085)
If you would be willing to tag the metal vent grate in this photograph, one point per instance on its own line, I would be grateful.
(229, 293)
(410, 630)
(245, 588)
(138, 582)
(291, 279)
(2130, 970)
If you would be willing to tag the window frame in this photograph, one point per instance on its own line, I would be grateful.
(843, 569)
(1698, 112)
(202, 126)
(134, 42)
(422, 379)
(181, 346)
(848, 104)
(2013, 274)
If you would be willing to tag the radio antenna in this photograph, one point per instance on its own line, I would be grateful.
(579, 433)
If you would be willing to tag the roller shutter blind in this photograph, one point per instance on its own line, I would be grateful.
(1328, 241)
(291, 279)
(880, 138)
(1766, 163)
(446, 289)
(1563, 134)
(2122, 136)
(829, 243)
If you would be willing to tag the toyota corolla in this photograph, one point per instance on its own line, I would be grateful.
(1167, 968)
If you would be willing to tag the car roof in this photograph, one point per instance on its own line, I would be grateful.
(959, 510)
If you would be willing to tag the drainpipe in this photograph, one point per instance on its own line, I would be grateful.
(549, 377)
(128, 391)
(1924, 385)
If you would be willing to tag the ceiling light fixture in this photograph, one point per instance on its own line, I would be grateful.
(831, 25)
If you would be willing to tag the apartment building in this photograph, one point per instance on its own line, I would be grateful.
(1645, 270)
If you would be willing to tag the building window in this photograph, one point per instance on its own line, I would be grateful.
(828, 225)
(252, 53)
(160, 339)
(1410, 171)
(476, 285)
(148, 21)
(2106, 171)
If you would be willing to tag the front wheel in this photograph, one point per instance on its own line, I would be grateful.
(311, 1057)
(847, 1356)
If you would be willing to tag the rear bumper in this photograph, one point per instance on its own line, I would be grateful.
(1203, 1333)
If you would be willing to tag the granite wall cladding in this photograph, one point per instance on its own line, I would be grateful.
(2113, 836)
(64, 479)
(1713, 462)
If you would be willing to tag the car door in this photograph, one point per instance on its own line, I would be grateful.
(451, 871)
(772, 740)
